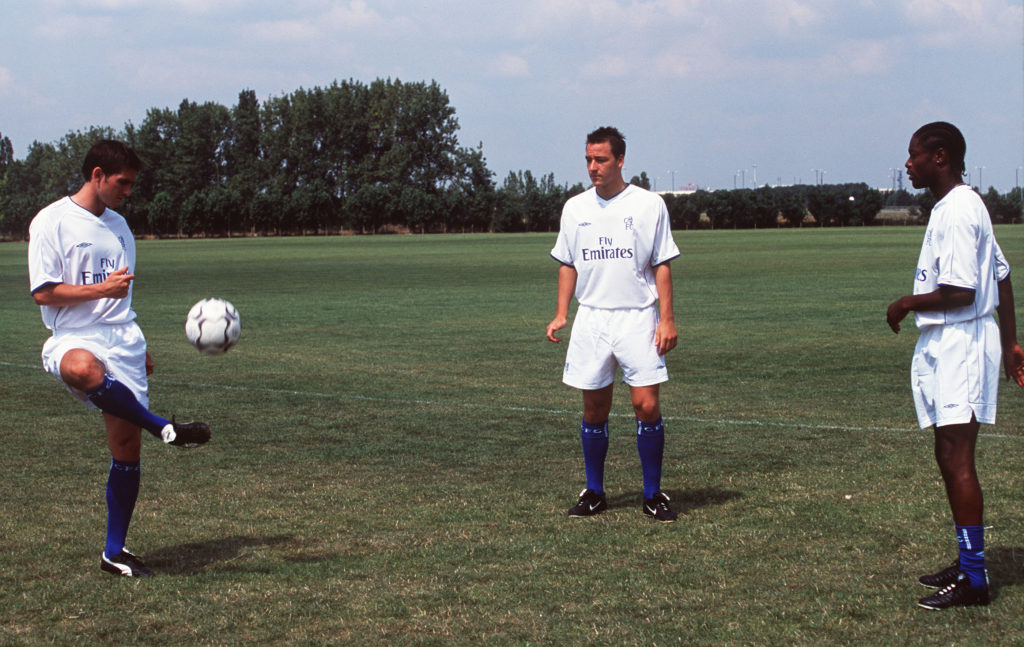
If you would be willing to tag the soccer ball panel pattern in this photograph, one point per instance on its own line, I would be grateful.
(213, 326)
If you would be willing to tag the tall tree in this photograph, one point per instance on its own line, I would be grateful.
(6, 155)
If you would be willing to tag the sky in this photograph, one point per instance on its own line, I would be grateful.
(712, 93)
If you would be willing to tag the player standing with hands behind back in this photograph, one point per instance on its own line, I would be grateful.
(614, 245)
(81, 261)
(962, 278)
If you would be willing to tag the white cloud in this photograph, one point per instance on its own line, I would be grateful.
(604, 67)
(284, 31)
(980, 22)
(673, 64)
(319, 29)
(509, 65)
(864, 58)
(6, 78)
(356, 15)
(200, 7)
(791, 15)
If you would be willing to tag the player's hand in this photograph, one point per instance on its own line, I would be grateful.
(149, 364)
(895, 314)
(1013, 362)
(665, 336)
(556, 324)
(117, 284)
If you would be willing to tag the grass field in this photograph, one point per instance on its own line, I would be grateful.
(394, 453)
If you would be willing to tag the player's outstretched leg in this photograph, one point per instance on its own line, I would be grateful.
(118, 400)
(185, 434)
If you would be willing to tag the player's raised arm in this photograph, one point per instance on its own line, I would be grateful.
(115, 286)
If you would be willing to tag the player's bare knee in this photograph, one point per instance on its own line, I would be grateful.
(81, 370)
(647, 407)
(126, 449)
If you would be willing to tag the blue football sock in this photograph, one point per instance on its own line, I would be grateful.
(650, 444)
(122, 491)
(118, 400)
(971, 540)
(594, 437)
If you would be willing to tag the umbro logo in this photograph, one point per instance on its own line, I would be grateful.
(83, 245)
(951, 406)
(585, 224)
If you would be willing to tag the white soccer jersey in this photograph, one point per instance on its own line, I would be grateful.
(613, 245)
(960, 250)
(69, 244)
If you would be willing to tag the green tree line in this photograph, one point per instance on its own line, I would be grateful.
(371, 158)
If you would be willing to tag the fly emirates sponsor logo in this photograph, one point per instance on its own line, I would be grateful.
(606, 251)
(107, 265)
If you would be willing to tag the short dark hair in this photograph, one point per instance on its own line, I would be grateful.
(111, 157)
(610, 135)
(940, 134)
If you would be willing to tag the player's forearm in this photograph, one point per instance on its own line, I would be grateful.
(663, 284)
(1007, 314)
(566, 287)
(945, 298)
(63, 294)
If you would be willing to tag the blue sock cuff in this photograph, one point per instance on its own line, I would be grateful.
(101, 389)
(125, 466)
(650, 428)
(594, 428)
(971, 537)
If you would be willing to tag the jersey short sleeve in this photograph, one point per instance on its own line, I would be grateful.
(45, 260)
(1002, 266)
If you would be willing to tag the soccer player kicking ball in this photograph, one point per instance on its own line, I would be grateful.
(614, 246)
(962, 279)
(81, 260)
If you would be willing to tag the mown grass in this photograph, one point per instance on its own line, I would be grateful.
(394, 453)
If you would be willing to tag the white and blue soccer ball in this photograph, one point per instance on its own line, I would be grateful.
(213, 326)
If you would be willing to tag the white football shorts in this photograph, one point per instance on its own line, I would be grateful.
(603, 340)
(121, 348)
(955, 373)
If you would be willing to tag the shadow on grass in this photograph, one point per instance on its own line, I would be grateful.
(1005, 567)
(192, 558)
(683, 501)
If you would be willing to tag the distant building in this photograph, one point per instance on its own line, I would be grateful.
(685, 190)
